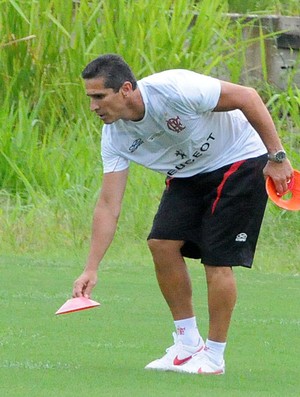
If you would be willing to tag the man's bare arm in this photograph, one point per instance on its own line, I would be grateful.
(247, 100)
(106, 215)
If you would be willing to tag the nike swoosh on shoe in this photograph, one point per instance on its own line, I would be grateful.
(178, 361)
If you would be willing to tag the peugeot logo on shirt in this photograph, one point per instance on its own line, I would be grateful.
(195, 156)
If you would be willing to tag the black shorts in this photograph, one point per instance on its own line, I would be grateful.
(218, 214)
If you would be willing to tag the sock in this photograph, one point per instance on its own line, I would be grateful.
(215, 350)
(187, 331)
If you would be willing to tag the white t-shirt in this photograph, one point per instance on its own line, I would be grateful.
(180, 135)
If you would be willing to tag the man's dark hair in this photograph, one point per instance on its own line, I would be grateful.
(113, 69)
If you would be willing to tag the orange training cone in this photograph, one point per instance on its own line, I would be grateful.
(290, 200)
(77, 304)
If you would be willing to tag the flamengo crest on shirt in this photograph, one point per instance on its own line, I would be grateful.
(175, 124)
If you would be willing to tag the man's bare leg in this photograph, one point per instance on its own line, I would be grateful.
(221, 301)
(221, 288)
(175, 285)
(172, 276)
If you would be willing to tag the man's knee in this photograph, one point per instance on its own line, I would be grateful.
(219, 274)
(158, 246)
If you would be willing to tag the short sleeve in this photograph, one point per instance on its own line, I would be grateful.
(201, 92)
(112, 161)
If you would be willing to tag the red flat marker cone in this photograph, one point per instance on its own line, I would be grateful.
(290, 200)
(77, 304)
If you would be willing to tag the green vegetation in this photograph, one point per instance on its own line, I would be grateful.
(50, 168)
(281, 7)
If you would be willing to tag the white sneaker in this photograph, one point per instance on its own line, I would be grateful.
(176, 356)
(201, 363)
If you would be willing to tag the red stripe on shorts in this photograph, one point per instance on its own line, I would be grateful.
(168, 181)
(232, 169)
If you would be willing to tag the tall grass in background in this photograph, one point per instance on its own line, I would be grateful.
(50, 168)
(283, 7)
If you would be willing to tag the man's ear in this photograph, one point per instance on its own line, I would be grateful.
(126, 88)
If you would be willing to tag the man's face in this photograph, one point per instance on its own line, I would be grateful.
(108, 105)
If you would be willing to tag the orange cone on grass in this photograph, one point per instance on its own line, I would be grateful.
(77, 304)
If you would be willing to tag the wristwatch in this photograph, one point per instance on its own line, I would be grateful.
(277, 157)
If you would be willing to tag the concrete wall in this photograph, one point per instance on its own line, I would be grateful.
(282, 50)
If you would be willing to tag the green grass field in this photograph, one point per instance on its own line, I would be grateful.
(102, 352)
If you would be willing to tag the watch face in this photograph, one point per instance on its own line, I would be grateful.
(280, 156)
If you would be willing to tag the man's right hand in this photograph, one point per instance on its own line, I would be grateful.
(84, 284)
